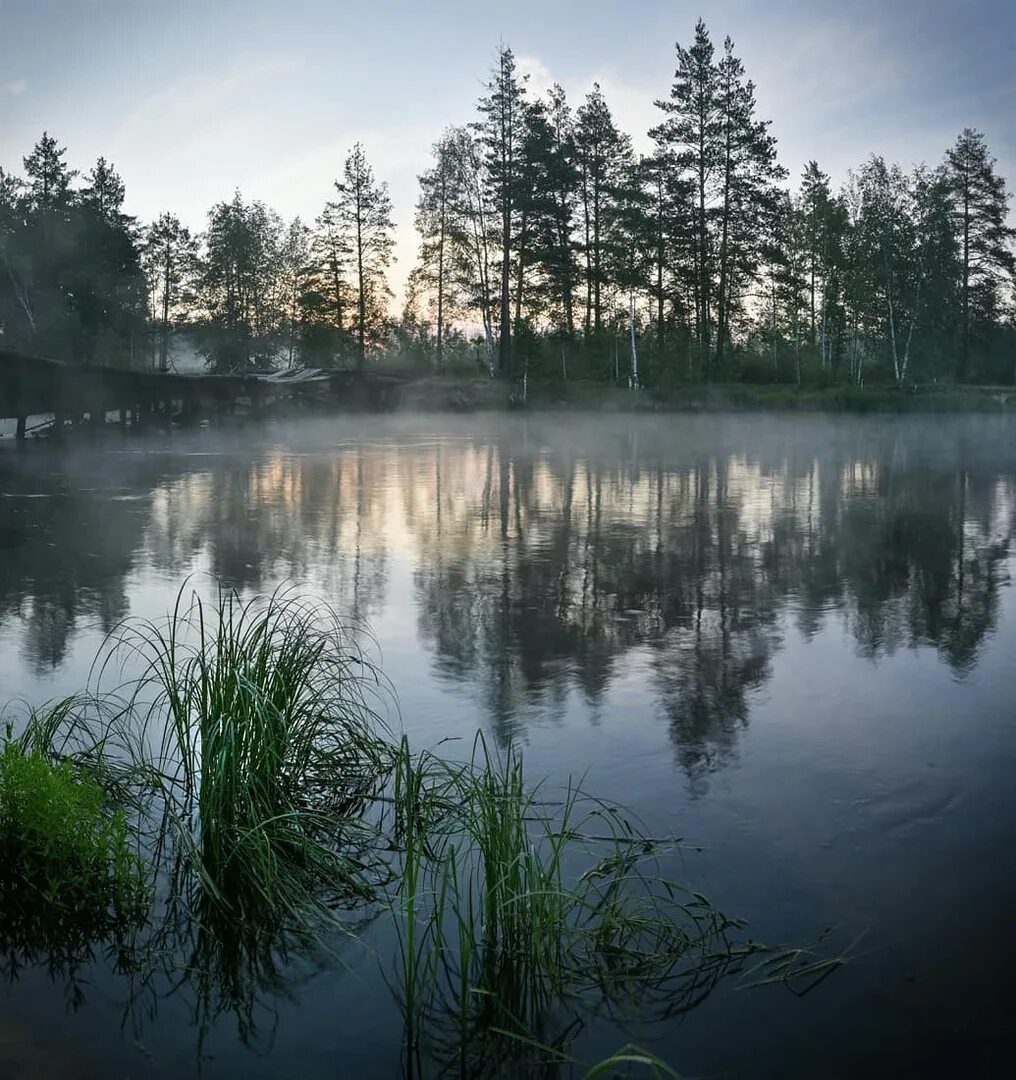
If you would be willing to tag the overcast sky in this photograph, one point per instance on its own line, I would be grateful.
(193, 98)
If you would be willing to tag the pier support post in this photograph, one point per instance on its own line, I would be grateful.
(21, 428)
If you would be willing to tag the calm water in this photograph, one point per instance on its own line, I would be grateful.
(791, 641)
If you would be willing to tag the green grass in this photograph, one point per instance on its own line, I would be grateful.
(253, 721)
(70, 873)
(522, 912)
(271, 803)
(456, 394)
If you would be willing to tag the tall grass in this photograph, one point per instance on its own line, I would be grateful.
(270, 797)
(519, 916)
(254, 720)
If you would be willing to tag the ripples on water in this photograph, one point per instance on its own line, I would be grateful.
(791, 640)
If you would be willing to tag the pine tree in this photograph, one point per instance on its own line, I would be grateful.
(435, 214)
(980, 214)
(501, 133)
(326, 298)
(238, 284)
(105, 281)
(17, 314)
(748, 174)
(295, 268)
(49, 177)
(104, 191)
(603, 153)
(362, 216)
(475, 237)
(689, 138)
(559, 249)
(631, 251)
(169, 258)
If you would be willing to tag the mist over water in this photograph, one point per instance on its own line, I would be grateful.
(789, 640)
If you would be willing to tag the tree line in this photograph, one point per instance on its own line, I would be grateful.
(548, 248)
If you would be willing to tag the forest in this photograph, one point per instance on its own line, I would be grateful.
(548, 249)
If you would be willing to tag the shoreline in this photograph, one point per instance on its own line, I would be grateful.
(456, 394)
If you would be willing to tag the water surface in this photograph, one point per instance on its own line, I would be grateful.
(790, 640)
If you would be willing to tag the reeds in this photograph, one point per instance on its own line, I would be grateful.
(519, 914)
(254, 721)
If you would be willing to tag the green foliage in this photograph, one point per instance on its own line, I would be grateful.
(69, 867)
(542, 233)
(71, 285)
(252, 769)
(253, 721)
(519, 914)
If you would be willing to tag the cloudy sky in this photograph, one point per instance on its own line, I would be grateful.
(193, 98)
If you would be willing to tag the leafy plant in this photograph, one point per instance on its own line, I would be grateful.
(70, 872)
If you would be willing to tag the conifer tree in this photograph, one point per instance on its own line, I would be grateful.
(362, 216)
(748, 174)
(435, 222)
(49, 177)
(559, 255)
(169, 257)
(689, 138)
(501, 133)
(980, 215)
(603, 153)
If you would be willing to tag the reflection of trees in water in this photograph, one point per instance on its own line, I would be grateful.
(548, 568)
(562, 568)
(65, 553)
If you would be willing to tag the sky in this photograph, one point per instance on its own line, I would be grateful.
(191, 99)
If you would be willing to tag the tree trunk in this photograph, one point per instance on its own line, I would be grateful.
(164, 347)
(440, 277)
(597, 307)
(634, 352)
(361, 299)
(962, 369)
(721, 320)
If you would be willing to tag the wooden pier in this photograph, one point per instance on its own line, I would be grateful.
(74, 394)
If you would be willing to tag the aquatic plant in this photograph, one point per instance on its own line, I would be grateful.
(254, 775)
(254, 721)
(70, 873)
(519, 915)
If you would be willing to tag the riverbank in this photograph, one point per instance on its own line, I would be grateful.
(457, 394)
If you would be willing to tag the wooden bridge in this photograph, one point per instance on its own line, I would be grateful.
(34, 387)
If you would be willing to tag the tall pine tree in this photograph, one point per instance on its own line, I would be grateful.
(980, 214)
(362, 215)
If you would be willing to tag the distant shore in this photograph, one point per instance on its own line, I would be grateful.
(462, 394)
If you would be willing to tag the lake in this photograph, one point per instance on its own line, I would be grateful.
(790, 640)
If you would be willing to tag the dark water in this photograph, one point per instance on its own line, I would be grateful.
(791, 641)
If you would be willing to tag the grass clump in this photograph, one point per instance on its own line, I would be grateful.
(69, 869)
(521, 916)
(254, 721)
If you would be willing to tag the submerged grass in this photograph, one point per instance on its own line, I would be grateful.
(273, 805)
(522, 916)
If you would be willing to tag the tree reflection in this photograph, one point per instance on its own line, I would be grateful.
(547, 564)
